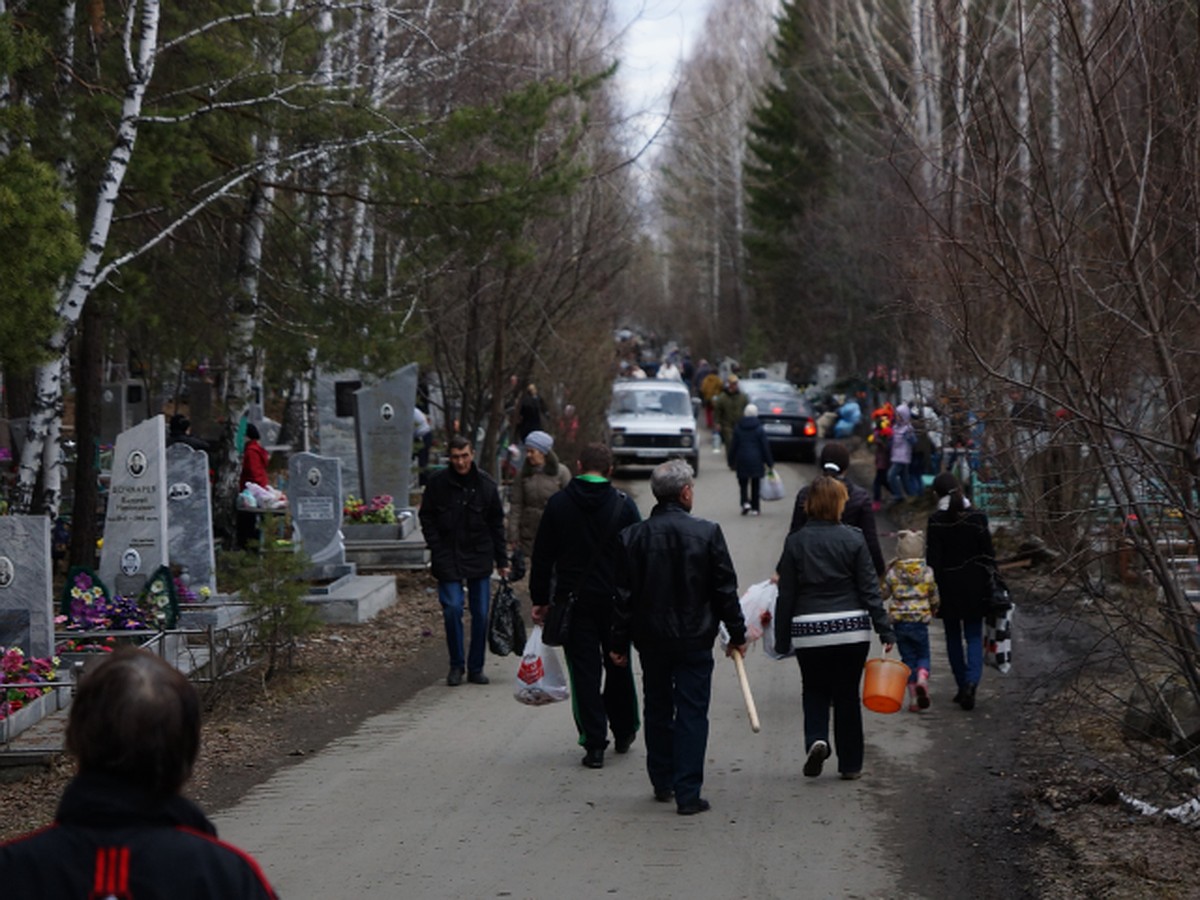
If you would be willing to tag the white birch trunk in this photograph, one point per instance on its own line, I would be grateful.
(140, 45)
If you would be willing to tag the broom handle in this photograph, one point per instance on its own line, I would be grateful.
(751, 709)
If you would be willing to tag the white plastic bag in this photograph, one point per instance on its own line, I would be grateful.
(771, 486)
(758, 599)
(540, 679)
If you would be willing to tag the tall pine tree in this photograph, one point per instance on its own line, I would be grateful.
(788, 168)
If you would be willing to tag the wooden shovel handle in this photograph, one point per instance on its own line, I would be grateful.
(751, 709)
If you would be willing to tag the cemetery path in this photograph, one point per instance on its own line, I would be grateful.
(361, 773)
(465, 793)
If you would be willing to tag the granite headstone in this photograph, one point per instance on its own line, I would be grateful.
(384, 424)
(315, 499)
(135, 527)
(26, 589)
(335, 420)
(189, 517)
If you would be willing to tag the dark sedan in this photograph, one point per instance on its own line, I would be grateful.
(788, 422)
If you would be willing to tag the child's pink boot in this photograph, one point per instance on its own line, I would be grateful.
(914, 703)
(921, 689)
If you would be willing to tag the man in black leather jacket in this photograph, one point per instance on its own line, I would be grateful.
(676, 584)
(122, 830)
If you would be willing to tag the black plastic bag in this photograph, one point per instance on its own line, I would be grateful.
(516, 567)
(506, 628)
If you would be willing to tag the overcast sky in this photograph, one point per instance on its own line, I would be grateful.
(660, 35)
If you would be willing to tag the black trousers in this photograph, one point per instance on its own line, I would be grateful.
(832, 674)
(602, 694)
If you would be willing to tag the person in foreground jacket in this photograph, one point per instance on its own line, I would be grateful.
(122, 829)
(462, 521)
(575, 552)
(675, 585)
(828, 601)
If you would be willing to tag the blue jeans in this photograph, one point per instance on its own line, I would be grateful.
(831, 675)
(968, 668)
(912, 640)
(897, 479)
(450, 595)
(677, 685)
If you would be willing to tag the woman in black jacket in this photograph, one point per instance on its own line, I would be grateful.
(828, 604)
(959, 550)
(750, 455)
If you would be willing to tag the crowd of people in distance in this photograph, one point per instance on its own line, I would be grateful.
(587, 545)
(663, 586)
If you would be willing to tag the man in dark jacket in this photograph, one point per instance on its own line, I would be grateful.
(676, 584)
(750, 456)
(575, 552)
(462, 520)
(122, 829)
(835, 461)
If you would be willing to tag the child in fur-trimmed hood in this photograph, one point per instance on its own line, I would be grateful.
(910, 592)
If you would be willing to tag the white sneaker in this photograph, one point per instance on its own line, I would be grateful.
(745, 508)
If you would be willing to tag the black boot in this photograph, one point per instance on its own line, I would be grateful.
(968, 698)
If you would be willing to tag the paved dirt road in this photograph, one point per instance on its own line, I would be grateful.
(466, 793)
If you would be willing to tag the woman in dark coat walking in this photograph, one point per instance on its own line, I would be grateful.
(959, 550)
(750, 454)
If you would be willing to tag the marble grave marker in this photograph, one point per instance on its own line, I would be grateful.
(26, 588)
(384, 422)
(315, 499)
(135, 527)
(189, 516)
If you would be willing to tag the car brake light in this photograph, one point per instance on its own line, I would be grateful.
(810, 428)
(777, 410)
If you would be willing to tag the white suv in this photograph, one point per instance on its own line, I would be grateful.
(650, 421)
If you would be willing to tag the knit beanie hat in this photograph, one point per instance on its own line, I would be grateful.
(751, 410)
(910, 545)
(835, 458)
(539, 440)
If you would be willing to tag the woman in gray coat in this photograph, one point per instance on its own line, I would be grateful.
(541, 477)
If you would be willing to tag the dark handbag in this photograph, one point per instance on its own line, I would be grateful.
(556, 625)
(999, 598)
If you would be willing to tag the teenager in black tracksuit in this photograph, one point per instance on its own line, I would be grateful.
(575, 550)
(122, 830)
(136, 844)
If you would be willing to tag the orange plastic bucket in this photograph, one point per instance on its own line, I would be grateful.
(884, 685)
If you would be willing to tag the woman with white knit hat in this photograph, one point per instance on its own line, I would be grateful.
(750, 455)
(541, 476)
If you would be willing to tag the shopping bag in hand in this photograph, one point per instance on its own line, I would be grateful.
(771, 486)
(506, 628)
(540, 679)
(997, 640)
